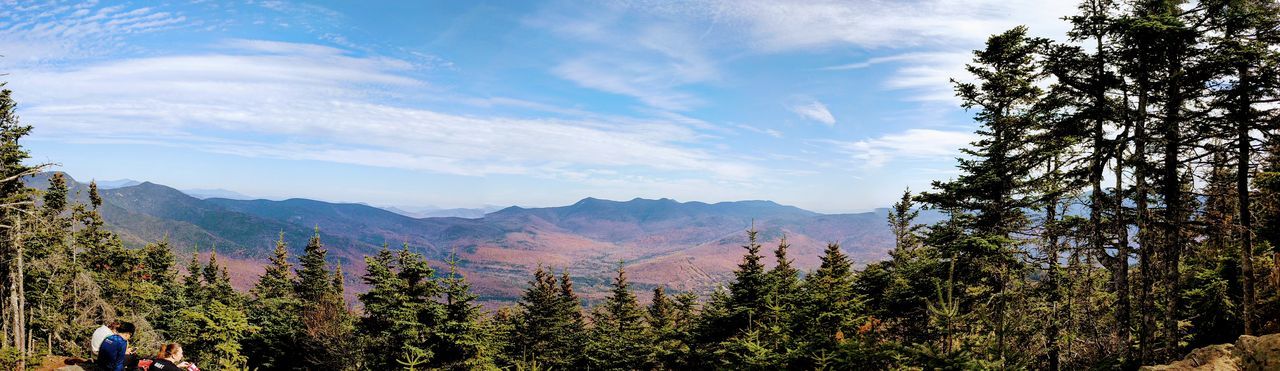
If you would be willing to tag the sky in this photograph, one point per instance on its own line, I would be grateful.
(831, 106)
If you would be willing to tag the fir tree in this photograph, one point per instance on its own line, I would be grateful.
(831, 310)
(277, 280)
(749, 289)
(993, 177)
(463, 342)
(315, 283)
(547, 327)
(619, 337)
(212, 326)
(784, 279)
(401, 311)
(274, 310)
(902, 222)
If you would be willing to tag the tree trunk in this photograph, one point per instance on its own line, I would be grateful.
(1171, 192)
(1141, 219)
(1051, 277)
(1123, 310)
(16, 297)
(1243, 141)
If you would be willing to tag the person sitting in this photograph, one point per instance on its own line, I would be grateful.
(101, 334)
(114, 349)
(170, 359)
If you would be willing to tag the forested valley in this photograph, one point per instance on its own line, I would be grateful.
(1120, 208)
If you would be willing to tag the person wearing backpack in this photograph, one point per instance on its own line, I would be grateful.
(114, 349)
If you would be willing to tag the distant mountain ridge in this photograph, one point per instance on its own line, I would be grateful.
(428, 212)
(217, 193)
(111, 184)
(685, 245)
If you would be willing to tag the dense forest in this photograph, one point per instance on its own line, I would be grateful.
(1121, 207)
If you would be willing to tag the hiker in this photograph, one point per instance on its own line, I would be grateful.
(101, 334)
(170, 359)
(114, 349)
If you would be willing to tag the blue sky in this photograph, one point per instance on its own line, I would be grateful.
(833, 106)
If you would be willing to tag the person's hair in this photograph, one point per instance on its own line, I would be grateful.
(125, 328)
(168, 350)
(115, 324)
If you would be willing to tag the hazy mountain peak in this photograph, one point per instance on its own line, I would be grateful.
(118, 183)
(204, 193)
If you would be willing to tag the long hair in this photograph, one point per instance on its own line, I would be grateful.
(168, 350)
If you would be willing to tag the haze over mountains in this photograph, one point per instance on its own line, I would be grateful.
(685, 245)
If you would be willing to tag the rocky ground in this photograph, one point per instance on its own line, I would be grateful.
(1249, 353)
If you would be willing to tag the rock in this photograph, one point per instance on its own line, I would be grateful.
(1259, 352)
(1220, 357)
(1249, 353)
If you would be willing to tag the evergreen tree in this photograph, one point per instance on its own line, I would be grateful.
(158, 296)
(314, 280)
(217, 283)
(1268, 204)
(670, 321)
(328, 339)
(48, 278)
(546, 329)
(274, 310)
(277, 280)
(993, 177)
(463, 343)
(401, 312)
(104, 254)
(902, 218)
(619, 337)
(750, 287)
(211, 327)
(784, 279)
(1244, 53)
(831, 311)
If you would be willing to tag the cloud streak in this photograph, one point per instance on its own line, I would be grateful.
(308, 102)
(815, 111)
(910, 144)
(775, 26)
(651, 61)
(55, 30)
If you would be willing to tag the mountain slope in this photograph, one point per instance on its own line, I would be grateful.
(686, 245)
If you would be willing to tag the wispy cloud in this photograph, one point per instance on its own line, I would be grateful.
(38, 32)
(793, 25)
(930, 39)
(815, 111)
(765, 131)
(649, 83)
(926, 74)
(909, 144)
(650, 61)
(301, 101)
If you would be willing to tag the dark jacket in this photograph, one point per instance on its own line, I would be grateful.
(111, 353)
(162, 364)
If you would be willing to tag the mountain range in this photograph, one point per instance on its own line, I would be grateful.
(687, 246)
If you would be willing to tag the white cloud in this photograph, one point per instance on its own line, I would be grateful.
(930, 40)
(55, 30)
(651, 61)
(815, 111)
(909, 144)
(807, 24)
(651, 84)
(929, 76)
(766, 131)
(300, 101)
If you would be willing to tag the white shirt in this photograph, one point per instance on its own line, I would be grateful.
(99, 335)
